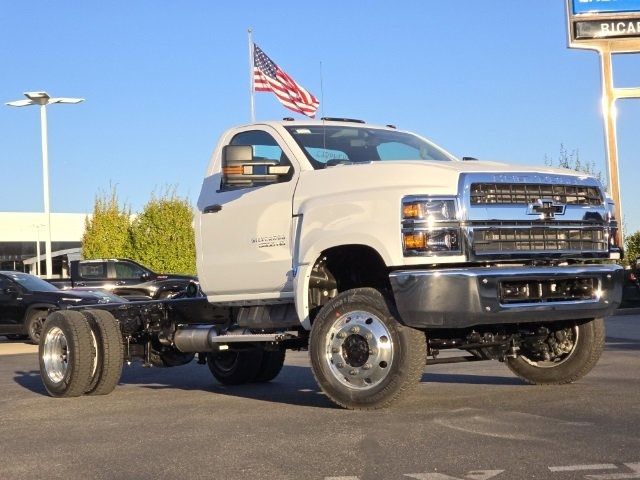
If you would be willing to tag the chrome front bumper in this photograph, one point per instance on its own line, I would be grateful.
(464, 297)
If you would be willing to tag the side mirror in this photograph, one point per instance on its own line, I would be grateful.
(240, 168)
(10, 291)
(236, 154)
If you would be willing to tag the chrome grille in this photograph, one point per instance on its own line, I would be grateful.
(526, 193)
(537, 238)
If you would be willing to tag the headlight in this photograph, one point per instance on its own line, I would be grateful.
(431, 211)
(430, 226)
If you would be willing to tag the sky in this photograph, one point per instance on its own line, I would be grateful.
(163, 79)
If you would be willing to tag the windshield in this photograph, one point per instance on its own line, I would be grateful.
(326, 146)
(32, 283)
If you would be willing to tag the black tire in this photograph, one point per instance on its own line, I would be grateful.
(235, 367)
(586, 352)
(110, 352)
(378, 362)
(34, 323)
(66, 353)
(270, 366)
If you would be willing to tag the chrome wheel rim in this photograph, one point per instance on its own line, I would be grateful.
(94, 341)
(359, 351)
(568, 348)
(55, 355)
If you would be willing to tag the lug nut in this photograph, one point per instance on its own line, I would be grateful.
(340, 365)
(373, 351)
(353, 372)
(355, 329)
(366, 366)
(341, 335)
(368, 336)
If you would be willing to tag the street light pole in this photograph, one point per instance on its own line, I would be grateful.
(45, 188)
(43, 99)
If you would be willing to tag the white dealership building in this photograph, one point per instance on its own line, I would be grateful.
(22, 232)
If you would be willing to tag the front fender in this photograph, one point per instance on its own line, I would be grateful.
(302, 270)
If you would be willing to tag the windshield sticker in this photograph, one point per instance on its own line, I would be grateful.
(303, 131)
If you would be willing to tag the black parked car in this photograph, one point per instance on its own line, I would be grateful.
(631, 286)
(25, 302)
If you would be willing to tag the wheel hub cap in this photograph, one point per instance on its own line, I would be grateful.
(359, 352)
(54, 355)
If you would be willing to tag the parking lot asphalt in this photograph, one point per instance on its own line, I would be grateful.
(466, 421)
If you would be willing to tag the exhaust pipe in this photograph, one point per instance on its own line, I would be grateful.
(205, 338)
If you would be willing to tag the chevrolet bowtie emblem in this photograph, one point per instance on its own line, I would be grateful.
(546, 208)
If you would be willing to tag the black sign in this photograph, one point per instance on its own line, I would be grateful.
(618, 28)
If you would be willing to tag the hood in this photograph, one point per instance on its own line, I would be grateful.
(76, 297)
(416, 176)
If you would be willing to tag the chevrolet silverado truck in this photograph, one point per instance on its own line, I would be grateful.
(376, 250)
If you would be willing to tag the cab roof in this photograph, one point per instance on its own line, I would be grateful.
(342, 122)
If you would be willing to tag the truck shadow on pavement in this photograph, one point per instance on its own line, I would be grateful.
(614, 343)
(295, 385)
(470, 379)
(30, 379)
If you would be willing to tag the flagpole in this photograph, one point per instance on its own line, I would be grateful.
(321, 92)
(251, 92)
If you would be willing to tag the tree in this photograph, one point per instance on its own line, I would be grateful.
(571, 160)
(632, 247)
(162, 236)
(106, 233)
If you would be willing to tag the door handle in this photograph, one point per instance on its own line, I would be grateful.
(212, 208)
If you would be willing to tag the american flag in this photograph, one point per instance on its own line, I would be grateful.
(268, 77)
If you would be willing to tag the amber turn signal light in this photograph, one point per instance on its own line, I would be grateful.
(415, 241)
(412, 210)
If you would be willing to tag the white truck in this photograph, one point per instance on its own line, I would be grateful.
(376, 250)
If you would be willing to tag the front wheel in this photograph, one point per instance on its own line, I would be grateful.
(565, 355)
(361, 356)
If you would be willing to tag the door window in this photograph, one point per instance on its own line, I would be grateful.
(128, 270)
(93, 271)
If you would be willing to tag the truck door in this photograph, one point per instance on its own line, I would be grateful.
(10, 306)
(245, 225)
